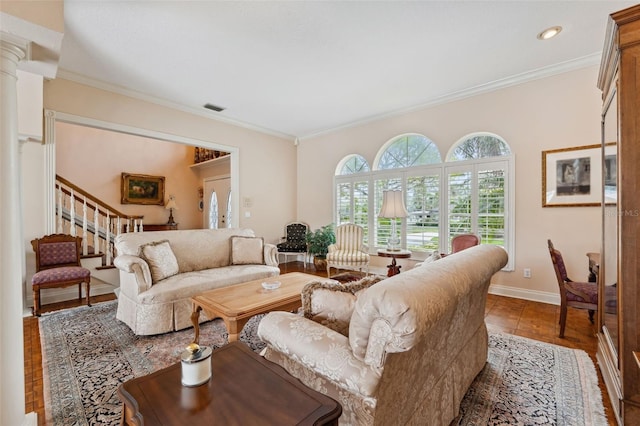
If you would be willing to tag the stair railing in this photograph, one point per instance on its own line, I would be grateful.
(97, 219)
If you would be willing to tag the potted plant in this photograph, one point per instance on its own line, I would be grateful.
(318, 243)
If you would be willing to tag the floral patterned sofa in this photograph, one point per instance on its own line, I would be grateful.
(160, 271)
(415, 342)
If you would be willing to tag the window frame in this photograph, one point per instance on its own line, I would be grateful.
(442, 169)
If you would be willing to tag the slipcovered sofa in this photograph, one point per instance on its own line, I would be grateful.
(415, 341)
(160, 271)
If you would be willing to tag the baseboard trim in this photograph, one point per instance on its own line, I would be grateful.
(519, 293)
(30, 419)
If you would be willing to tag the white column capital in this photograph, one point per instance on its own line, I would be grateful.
(14, 48)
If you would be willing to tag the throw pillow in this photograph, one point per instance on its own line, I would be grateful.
(162, 262)
(434, 256)
(247, 250)
(331, 303)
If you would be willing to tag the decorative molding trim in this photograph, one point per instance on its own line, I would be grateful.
(563, 67)
(519, 293)
(68, 75)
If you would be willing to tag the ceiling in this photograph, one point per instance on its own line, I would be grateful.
(301, 68)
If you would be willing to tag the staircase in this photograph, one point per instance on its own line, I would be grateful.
(79, 213)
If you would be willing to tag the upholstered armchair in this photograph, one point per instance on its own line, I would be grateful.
(464, 241)
(415, 341)
(294, 240)
(349, 250)
(58, 265)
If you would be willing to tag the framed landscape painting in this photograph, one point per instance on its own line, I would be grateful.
(142, 189)
(572, 177)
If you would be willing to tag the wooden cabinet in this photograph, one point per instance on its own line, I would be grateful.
(619, 269)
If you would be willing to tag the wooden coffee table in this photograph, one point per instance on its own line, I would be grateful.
(236, 304)
(244, 389)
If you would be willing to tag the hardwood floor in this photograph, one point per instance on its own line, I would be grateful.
(534, 320)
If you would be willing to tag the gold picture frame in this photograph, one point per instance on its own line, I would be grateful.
(142, 189)
(572, 177)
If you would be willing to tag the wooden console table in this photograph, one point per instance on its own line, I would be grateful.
(156, 227)
(244, 389)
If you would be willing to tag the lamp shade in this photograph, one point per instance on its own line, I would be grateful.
(393, 205)
(171, 204)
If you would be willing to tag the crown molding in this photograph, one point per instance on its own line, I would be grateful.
(98, 84)
(561, 68)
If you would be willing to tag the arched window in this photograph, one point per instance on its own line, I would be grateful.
(407, 151)
(478, 174)
(470, 193)
(213, 211)
(478, 145)
(352, 197)
(229, 221)
(353, 164)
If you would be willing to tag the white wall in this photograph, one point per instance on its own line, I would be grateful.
(555, 112)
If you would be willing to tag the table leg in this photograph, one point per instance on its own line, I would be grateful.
(393, 268)
(195, 320)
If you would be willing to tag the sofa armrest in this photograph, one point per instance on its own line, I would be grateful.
(319, 349)
(270, 254)
(331, 248)
(137, 266)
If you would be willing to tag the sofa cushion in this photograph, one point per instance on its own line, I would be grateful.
(247, 250)
(160, 258)
(331, 303)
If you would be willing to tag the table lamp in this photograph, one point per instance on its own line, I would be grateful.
(171, 204)
(393, 208)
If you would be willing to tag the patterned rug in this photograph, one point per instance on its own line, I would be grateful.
(87, 354)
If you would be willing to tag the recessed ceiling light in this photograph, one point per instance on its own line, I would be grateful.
(549, 33)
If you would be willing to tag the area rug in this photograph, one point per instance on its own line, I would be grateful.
(87, 354)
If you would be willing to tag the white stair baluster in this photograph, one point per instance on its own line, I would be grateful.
(72, 215)
(96, 231)
(141, 226)
(107, 239)
(118, 226)
(60, 206)
(85, 243)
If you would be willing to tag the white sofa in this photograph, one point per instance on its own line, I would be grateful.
(415, 341)
(197, 260)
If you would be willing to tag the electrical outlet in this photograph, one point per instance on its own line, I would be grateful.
(527, 273)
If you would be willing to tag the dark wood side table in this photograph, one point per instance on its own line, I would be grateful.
(244, 389)
(394, 268)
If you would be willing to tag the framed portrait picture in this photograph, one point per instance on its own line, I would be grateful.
(572, 177)
(142, 189)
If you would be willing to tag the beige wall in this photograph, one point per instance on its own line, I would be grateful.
(555, 112)
(266, 162)
(105, 155)
(45, 13)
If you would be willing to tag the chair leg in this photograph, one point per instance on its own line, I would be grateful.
(591, 312)
(563, 319)
(36, 301)
(328, 271)
(88, 292)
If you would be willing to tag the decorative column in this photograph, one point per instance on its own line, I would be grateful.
(12, 402)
